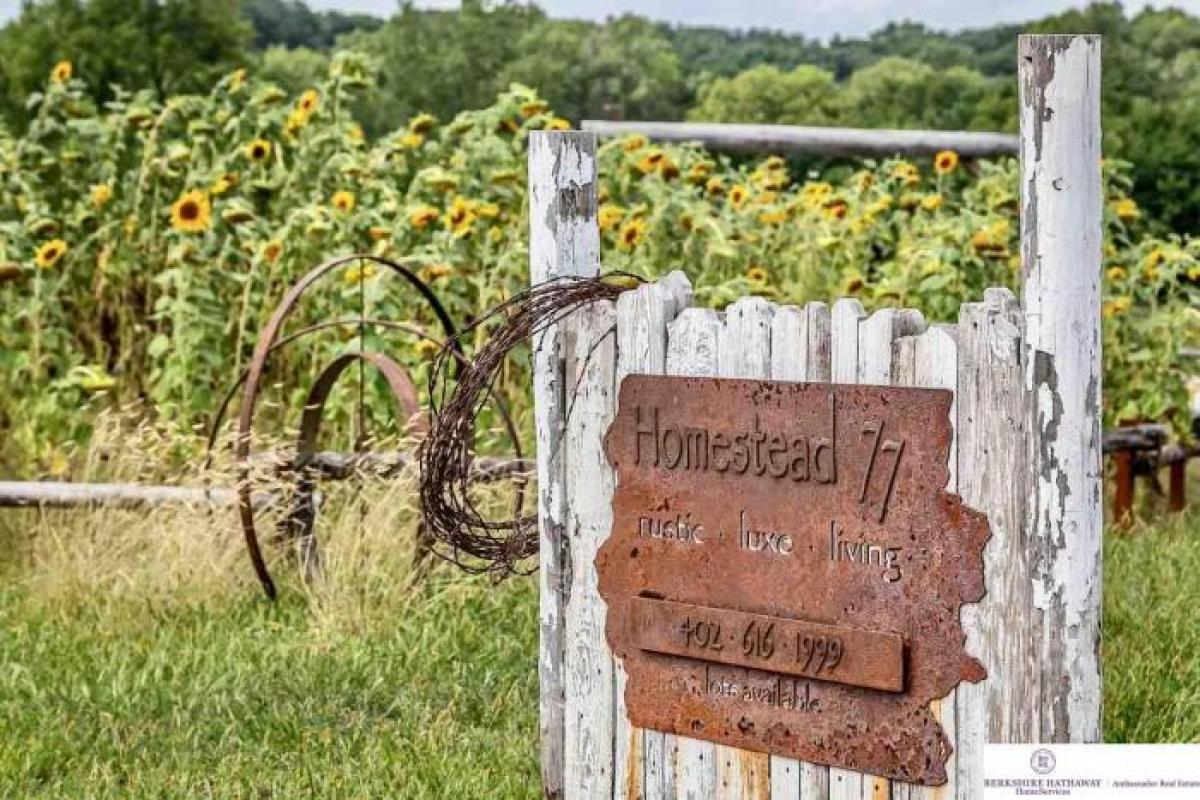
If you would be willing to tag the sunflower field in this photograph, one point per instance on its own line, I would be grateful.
(142, 244)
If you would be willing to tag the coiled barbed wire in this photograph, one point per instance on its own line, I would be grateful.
(461, 532)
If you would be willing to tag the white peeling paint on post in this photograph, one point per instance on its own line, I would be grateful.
(992, 457)
(642, 319)
(564, 239)
(692, 344)
(1061, 240)
(744, 352)
(930, 360)
(588, 668)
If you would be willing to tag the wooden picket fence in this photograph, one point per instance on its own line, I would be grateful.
(1027, 452)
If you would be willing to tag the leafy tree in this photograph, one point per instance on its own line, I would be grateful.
(293, 24)
(805, 96)
(901, 93)
(168, 46)
(624, 68)
(440, 61)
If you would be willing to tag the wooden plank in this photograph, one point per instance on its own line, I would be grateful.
(868, 360)
(1062, 198)
(588, 672)
(789, 361)
(781, 139)
(642, 319)
(564, 239)
(814, 778)
(55, 494)
(692, 350)
(993, 469)
(848, 315)
(744, 352)
(931, 360)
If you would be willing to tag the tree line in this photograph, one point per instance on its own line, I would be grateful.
(904, 75)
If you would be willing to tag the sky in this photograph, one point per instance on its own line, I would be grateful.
(816, 18)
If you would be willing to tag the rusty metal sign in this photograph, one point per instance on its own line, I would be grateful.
(786, 568)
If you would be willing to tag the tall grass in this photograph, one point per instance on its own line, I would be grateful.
(138, 658)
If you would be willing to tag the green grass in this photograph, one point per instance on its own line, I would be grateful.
(413, 691)
(240, 699)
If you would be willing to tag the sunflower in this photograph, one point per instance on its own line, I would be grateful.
(296, 121)
(532, 108)
(422, 216)
(558, 124)
(101, 193)
(309, 101)
(715, 185)
(945, 162)
(632, 143)
(756, 274)
(356, 133)
(487, 210)
(422, 123)
(378, 233)
(649, 162)
(435, 271)
(1126, 209)
(610, 216)
(460, 216)
(668, 169)
(697, 173)
(427, 348)
(853, 283)
(1116, 274)
(62, 72)
(358, 272)
(343, 201)
(1117, 306)
(50, 253)
(236, 79)
(224, 183)
(906, 173)
(931, 202)
(271, 251)
(632, 233)
(837, 208)
(738, 196)
(1194, 274)
(773, 217)
(191, 213)
(258, 151)
(412, 141)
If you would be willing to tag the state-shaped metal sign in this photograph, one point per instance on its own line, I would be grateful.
(786, 568)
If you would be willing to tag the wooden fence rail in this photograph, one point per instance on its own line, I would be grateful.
(795, 139)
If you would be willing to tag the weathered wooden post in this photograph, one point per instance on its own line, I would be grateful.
(564, 240)
(775, 580)
(1061, 245)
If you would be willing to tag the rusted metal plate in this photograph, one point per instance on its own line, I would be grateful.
(817, 512)
(791, 647)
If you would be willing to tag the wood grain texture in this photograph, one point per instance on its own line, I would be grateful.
(744, 352)
(564, 239)
(588, 671)
(993, 476)
(930, 360)
(642, 319)
(692, 346)
(1061, 240)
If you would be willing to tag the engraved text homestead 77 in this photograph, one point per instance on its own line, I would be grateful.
(785, 569)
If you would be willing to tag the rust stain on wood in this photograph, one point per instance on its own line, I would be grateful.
(785, 570)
